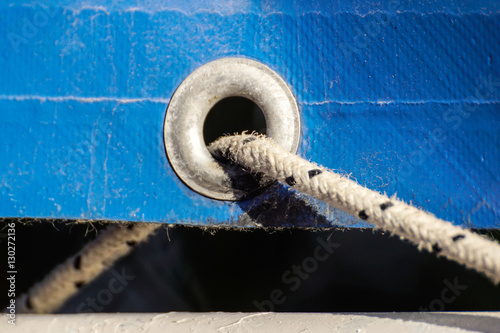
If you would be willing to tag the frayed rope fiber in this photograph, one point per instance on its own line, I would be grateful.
(259, 154)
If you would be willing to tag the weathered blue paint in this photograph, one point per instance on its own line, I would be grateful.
(404, 97)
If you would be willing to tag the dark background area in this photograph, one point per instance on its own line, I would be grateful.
(195, 269)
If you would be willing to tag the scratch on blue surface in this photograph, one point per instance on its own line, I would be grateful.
(99, 99)
(405, 102)
(83, 99)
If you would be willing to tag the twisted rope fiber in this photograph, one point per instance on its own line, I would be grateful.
(260, 154)
(98, 255)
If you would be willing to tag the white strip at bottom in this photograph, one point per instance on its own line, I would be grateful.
(256, 322)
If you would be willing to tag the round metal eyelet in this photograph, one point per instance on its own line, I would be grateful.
(193, 100)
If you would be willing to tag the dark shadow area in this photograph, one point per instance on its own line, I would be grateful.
(40, 245)
(195, 269)
(250, 185)
(280, 206)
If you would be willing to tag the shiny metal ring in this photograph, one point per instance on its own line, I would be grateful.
(194, 98)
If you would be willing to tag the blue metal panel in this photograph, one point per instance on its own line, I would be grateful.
(404, 97)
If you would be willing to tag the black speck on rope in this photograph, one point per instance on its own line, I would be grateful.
(78, 262)
(290, 181)
(362, 215)
(314, 172)
(386, 205)
(436, 248)
(458, 237)
(79, 284)
(28, 304)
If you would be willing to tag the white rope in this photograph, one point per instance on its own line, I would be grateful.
(66, 279)
(259, 154)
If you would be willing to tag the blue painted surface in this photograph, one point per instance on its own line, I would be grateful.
(403, 96)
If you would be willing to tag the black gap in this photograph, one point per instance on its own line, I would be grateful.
(255, 270)
(233, 115)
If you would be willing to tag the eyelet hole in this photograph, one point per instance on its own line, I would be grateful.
(233, 115)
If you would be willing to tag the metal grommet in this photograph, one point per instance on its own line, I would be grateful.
(195, 97)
